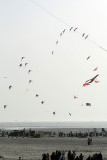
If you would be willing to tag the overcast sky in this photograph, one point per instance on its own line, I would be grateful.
(30, 29)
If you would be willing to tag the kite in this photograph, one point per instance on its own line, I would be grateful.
(30, 81)
(56, 42)
(70, 28)
(70, 114)
(10, 87)
(88, 104)
(52, 52)
(5, 106)
(54, 113)
(88, 57)
(64, 30)
(20, 65)
(90, 80)
(60, 34)
(29, 71)
(75, 97)
(97, 81)
(42, 102)
(26, 64)
(83, 34)
(22, 58)
(95, 69)
(86, 84)
(75, 29)
(86, 37)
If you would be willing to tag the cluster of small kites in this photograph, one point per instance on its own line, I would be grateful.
(24, 64)
(29, 71)
(87, 82)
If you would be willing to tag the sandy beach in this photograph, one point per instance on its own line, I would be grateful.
(33, 148)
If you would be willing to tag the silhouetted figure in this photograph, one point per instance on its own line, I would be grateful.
(47, 156)
(69, 155)
(88, 140)
(81, 156)
(74, 154)
(44, 156)
(63, 156)
(77, 158)
(53, 156)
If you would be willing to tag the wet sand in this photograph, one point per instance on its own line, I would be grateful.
(33, 148)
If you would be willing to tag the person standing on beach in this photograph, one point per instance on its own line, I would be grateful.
(81, 156)
(91, 141)
(74, 154)
(88, 141)
(69, 155)
(47, 156)
(63, 156)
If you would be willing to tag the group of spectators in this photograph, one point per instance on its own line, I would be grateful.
(96, 156)
(58, 155)
(54, 156)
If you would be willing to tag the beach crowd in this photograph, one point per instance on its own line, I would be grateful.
(58, 155)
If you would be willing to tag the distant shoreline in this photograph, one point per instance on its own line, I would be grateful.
(52, 125)
(76, 124)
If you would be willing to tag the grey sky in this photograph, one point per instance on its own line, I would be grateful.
(29, 31)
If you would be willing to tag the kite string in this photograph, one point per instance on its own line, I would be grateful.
(48, 12)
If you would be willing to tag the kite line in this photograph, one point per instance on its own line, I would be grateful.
(50, 13)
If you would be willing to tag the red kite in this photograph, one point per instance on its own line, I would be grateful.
(92, 79)
(86, 84)
(75, 97)
(95, 69)
(97, 81)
